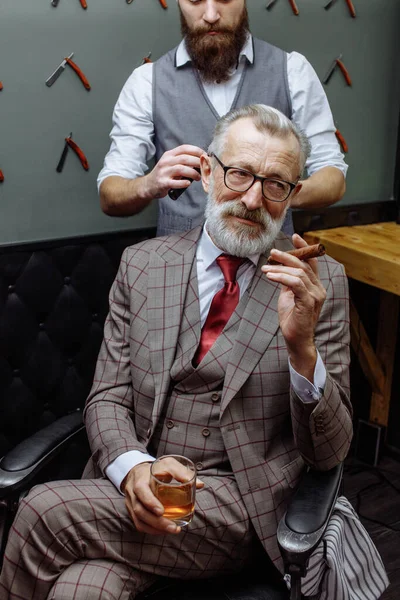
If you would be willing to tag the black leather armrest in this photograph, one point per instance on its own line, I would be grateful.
(18, 467)
(301, 528)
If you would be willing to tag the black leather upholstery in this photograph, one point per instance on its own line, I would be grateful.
(312, 509)
(53, 302)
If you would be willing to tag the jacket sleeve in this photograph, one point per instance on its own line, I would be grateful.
(323, 429)
(108, 412)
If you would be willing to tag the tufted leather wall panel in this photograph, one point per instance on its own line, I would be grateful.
(53, 303)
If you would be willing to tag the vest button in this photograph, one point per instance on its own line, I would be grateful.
(215, 397)
(206, 432)
(170, 424)
(199, 466)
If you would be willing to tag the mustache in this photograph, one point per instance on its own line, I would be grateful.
(208, 29)
(236, 210)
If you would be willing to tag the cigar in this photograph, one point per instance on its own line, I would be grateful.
(302, 253)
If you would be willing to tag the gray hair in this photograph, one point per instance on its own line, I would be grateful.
(266, 119)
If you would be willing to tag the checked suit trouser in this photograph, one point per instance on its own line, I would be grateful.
(75, 540)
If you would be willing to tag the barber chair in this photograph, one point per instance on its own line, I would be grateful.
(53, 302)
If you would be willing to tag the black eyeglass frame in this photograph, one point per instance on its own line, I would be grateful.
(226, 168)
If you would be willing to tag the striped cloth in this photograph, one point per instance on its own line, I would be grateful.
(346, 565)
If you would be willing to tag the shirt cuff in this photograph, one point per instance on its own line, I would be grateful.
(307, 391)
(120, 467)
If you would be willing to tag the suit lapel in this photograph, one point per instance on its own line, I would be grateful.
(258, 326)
(169, 269)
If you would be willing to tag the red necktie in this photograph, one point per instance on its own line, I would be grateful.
(222, 306)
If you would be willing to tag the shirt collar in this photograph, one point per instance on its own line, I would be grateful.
(182, 56)
(208, 252)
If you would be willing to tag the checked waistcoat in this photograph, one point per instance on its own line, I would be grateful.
(190, 423)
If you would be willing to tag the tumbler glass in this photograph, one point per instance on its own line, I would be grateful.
(173, 482)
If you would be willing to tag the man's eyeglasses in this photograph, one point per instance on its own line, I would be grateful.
(240, 180)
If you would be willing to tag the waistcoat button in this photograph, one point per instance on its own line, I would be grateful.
(199, 466)
(206, 432)
(215, 397)
(170, 424)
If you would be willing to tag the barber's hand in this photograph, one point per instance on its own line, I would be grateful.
(143, 507)
(299, 305)
(172, 166)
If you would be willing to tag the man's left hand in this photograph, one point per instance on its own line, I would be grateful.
(299, 305)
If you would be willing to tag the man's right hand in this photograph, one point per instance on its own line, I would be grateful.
(174, 165)
(121, 197)
(142, 505)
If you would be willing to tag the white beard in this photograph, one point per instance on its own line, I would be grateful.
(239, 239)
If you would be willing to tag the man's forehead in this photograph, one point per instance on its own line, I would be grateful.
(243, 134)
(259, 151)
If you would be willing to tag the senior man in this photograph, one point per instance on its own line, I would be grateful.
(210, 353)
(168, 111)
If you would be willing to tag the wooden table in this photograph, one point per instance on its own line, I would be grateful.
(371, 254)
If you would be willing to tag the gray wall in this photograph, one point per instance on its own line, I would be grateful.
(109, 40)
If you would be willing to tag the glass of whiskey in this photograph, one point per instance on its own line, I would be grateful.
(173, 482)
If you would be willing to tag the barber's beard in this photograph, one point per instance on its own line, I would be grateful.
(234, 237)
(215, 56)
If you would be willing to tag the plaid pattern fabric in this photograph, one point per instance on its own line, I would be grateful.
(89, 579)
(267, 431)
(69, 536)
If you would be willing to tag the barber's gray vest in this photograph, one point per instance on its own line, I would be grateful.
(183, 114)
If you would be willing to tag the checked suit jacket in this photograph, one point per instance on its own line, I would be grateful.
(269, 433)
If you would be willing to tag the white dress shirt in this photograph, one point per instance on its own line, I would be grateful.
(210, 279)
(132, 135)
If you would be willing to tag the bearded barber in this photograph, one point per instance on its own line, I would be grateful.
(168, 110)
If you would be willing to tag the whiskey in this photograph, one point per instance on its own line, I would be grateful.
(173, 482)
(178, 501)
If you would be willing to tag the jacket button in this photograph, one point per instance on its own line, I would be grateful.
(206, 432)
(170, 424)
(199, 466)
(215, 397)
